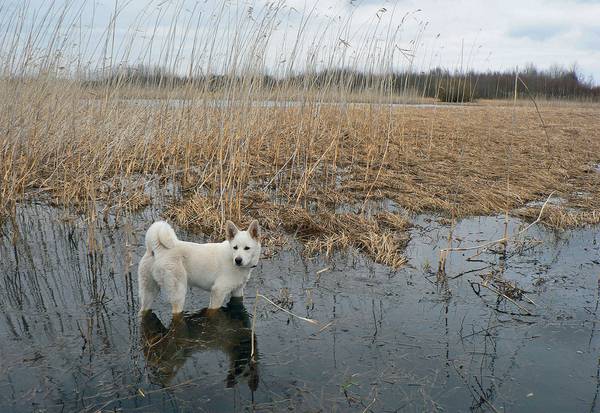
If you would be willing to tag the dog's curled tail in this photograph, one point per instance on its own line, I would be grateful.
(160, 235)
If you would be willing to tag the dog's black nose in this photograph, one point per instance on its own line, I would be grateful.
(238, 260)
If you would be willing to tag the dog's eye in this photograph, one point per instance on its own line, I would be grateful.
(246, 248)
(235, 248)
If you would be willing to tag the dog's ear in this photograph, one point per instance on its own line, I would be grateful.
(230, 230)
(254, 230)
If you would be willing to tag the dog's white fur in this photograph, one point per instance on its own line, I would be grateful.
(173, 265)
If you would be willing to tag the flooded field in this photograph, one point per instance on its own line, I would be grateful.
(71, 338)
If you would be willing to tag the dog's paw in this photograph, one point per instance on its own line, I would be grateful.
(210, 312)
(145, 313)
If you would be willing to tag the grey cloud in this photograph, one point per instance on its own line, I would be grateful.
(590, 38)
(538, 32)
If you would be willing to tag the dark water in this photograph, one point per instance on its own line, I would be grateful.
(71, 338)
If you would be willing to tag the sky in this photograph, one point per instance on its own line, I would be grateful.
(292, 35)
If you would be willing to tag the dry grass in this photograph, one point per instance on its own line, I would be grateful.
(561, 218)
(314, 171)
(382, 236)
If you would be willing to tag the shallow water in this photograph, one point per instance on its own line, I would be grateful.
(71, 339)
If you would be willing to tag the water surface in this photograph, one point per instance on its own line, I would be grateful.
(71, 338)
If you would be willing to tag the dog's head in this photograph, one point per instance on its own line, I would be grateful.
(245, 245)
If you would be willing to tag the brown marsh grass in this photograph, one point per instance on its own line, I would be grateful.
(325, 173)
(314, 171)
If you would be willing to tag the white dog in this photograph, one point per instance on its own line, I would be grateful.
(173, 265)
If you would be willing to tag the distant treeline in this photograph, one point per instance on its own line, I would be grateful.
(451, 86)
(553, 83)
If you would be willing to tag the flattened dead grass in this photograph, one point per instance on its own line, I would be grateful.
(381, 236)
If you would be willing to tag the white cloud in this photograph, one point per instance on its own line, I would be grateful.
(476, 34)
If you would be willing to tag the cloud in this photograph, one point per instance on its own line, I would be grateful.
(479, 35)
(537, 32)
(589, 38)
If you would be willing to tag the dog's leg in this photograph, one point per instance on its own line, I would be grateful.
(148, 288)
(177, 296)
(173, 280)
(217, 296)
(238, 292)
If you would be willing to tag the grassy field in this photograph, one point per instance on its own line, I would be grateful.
(342, 175)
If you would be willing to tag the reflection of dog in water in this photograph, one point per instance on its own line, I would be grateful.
(167, 349)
